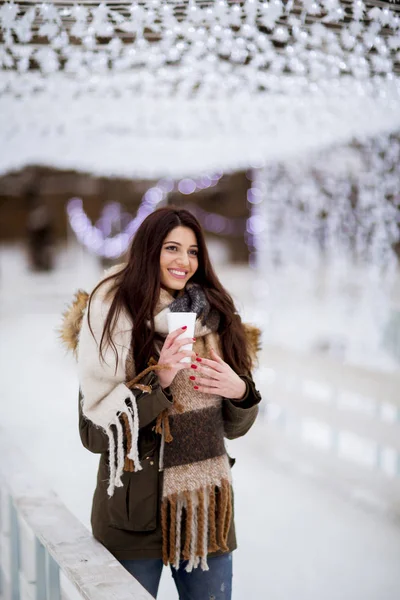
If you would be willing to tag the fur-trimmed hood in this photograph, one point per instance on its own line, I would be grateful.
(72, 316)
(72, 321)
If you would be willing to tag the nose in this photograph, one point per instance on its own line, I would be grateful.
(183, 260)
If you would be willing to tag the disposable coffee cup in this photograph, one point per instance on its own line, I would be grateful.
(180, 319)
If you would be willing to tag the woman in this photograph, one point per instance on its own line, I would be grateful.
(163, 490)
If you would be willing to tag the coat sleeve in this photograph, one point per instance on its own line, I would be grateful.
(93, 438)
(240, 415)
(149, 407)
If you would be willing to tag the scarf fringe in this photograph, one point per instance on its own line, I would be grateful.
(111, 453)
(120, 454)
(161, 456)
(119, 461)
(207, 522)
(176, 553)
(130, 420)
(163, 428)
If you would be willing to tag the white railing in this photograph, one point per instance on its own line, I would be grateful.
(41, 540)
(340, 422)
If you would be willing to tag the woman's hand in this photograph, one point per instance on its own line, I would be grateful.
(171, 355)
(224, 381)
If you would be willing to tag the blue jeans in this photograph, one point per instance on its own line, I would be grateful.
(214, 584)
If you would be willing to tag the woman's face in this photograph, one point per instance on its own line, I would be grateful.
(178, 258)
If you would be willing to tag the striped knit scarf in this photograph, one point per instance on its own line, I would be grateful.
(196, 505)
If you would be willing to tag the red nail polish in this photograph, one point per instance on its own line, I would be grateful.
(192, 377)
(184, 327)
(195, 387)
(193, 366)
(198, 359)
(194, 339)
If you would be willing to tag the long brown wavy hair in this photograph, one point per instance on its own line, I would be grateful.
(136, 290)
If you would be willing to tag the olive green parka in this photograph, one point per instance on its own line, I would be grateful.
(128, 524)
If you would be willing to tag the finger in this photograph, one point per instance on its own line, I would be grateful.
(217, 357)
(212, 364)
(171, 353)
(206, 382)
(206, 389)
(208, 372)
(171, 337)
(179, 343)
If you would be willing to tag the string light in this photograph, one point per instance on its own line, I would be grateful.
(98, 239)
(324, 235)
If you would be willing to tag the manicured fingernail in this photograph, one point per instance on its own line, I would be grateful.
(198, 359)
(193, 366)
(184, 327)
(192, 377)
(195, 387)
(194, 339)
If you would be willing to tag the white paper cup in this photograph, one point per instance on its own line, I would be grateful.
(180, 319)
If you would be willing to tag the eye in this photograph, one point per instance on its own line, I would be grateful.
(194, 252)
(171, 247)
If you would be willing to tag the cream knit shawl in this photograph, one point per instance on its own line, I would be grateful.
(103, 382)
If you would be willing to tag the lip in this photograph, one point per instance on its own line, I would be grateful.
(178, 276)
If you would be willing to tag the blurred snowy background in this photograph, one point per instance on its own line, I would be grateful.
(278, 124)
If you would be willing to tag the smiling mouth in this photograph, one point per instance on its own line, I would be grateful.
(177, 273)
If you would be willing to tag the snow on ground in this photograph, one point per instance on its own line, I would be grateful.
(297, 541)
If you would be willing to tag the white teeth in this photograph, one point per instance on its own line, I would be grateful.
(176, 272)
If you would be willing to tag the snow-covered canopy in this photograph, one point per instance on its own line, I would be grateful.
(166, 88)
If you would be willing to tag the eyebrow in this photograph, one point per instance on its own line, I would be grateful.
(178, 244)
